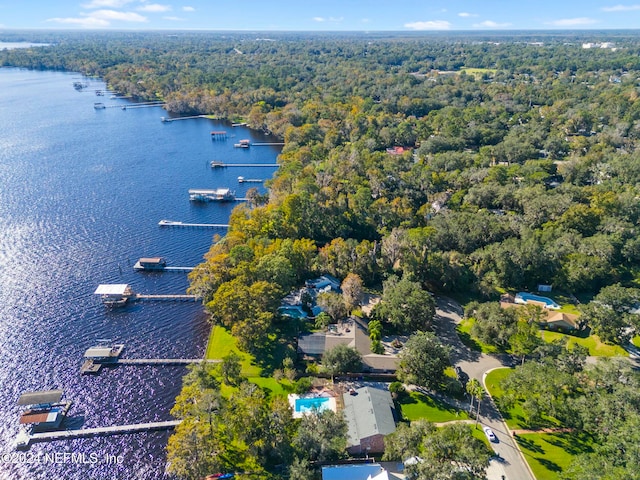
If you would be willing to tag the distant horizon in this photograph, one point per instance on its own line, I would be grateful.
(328, 16)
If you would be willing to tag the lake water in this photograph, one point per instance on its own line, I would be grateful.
(81, 195)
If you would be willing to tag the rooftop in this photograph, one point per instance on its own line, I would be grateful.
(368, 412)
(40, 397)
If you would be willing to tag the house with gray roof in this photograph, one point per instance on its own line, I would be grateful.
(370, 415)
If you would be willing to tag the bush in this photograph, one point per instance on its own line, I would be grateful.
(376, 347)
(397, 389)
(302, 386)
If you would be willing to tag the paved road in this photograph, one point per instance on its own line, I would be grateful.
(476, 365)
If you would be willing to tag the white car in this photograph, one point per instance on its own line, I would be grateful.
(490, 435)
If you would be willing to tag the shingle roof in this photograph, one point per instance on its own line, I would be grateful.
(369, 412)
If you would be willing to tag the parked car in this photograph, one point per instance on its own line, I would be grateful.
(490, 435)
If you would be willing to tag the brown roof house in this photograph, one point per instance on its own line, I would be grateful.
(561, 321)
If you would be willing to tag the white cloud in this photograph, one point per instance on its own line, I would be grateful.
(429, 25)
(188, 9)
(572, 22)
(86, 22)
(328, 19)
(174, 19)
(115, 15)
(621, 8)
(154, 8)
(100, 18)
(467, 14)
(106, 3)
(491, 24)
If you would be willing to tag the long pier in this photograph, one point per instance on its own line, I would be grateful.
(170, 298)
(171, 223)
(267, 144)
(223, 165)
(162, 361)
(136, 105)
(176, 269)
(167, 120)
(90, 432)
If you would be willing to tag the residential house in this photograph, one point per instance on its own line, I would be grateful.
(370, 415)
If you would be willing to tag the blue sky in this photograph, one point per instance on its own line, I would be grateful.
(367, 15)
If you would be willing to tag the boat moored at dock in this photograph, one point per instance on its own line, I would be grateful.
(45, 410)
(249, 180)
(99, 105)
(150, 264)
(115, 295)
(242, 144)
(96, 357)
(217, 195)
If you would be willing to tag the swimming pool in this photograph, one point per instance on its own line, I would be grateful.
(292, 311)
(524, 297)
(319, 404)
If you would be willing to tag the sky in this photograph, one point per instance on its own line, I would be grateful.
(327, 15)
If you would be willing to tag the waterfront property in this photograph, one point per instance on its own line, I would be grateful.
(370, 416)
(530, 298)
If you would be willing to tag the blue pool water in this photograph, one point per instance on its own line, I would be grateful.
(293, 312)
(537, 298)
(309, 404)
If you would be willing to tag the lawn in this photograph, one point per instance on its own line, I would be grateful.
(464, 332)
(636, 341)
(415, 406)
(548, 454)
(592, 342)
(222, 343)
(514, 417)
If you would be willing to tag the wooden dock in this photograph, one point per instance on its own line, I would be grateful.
(267, 144)
(168, 120)
(177, 269)
(169, 298)
(171, 223)
(163, 361)
(220, 164)
(99, 431)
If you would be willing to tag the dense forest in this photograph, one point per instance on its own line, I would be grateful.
(466, 165)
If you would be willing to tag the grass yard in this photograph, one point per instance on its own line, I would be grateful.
(478, 72)
(548, 454)
(415, 406)
(636, 341)
(514, 417)
(464, 332)
(222, 343)
(592, 342)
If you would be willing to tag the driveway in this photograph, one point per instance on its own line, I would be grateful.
(511, 463)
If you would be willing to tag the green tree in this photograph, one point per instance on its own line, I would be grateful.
(405, 305)
(321, 437)
(341, 359)
(352, 291)
(423, 361)
(230, 368)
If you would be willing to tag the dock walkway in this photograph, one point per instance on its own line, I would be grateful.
(171, 223)
(90, 432)
(186, 298)
(163, 361)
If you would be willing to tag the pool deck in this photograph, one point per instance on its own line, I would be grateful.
(331, 403)
(545, 302)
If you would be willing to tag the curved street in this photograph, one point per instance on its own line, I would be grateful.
(511, 464)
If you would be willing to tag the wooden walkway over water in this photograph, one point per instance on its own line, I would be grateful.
(91, 432)
(162, 361)
(167, 120)
(171, 223)
(224, 165)
(169, 298)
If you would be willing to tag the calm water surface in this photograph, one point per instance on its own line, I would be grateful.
(81, 194)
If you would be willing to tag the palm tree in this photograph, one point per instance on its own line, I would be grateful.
(475, 391)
